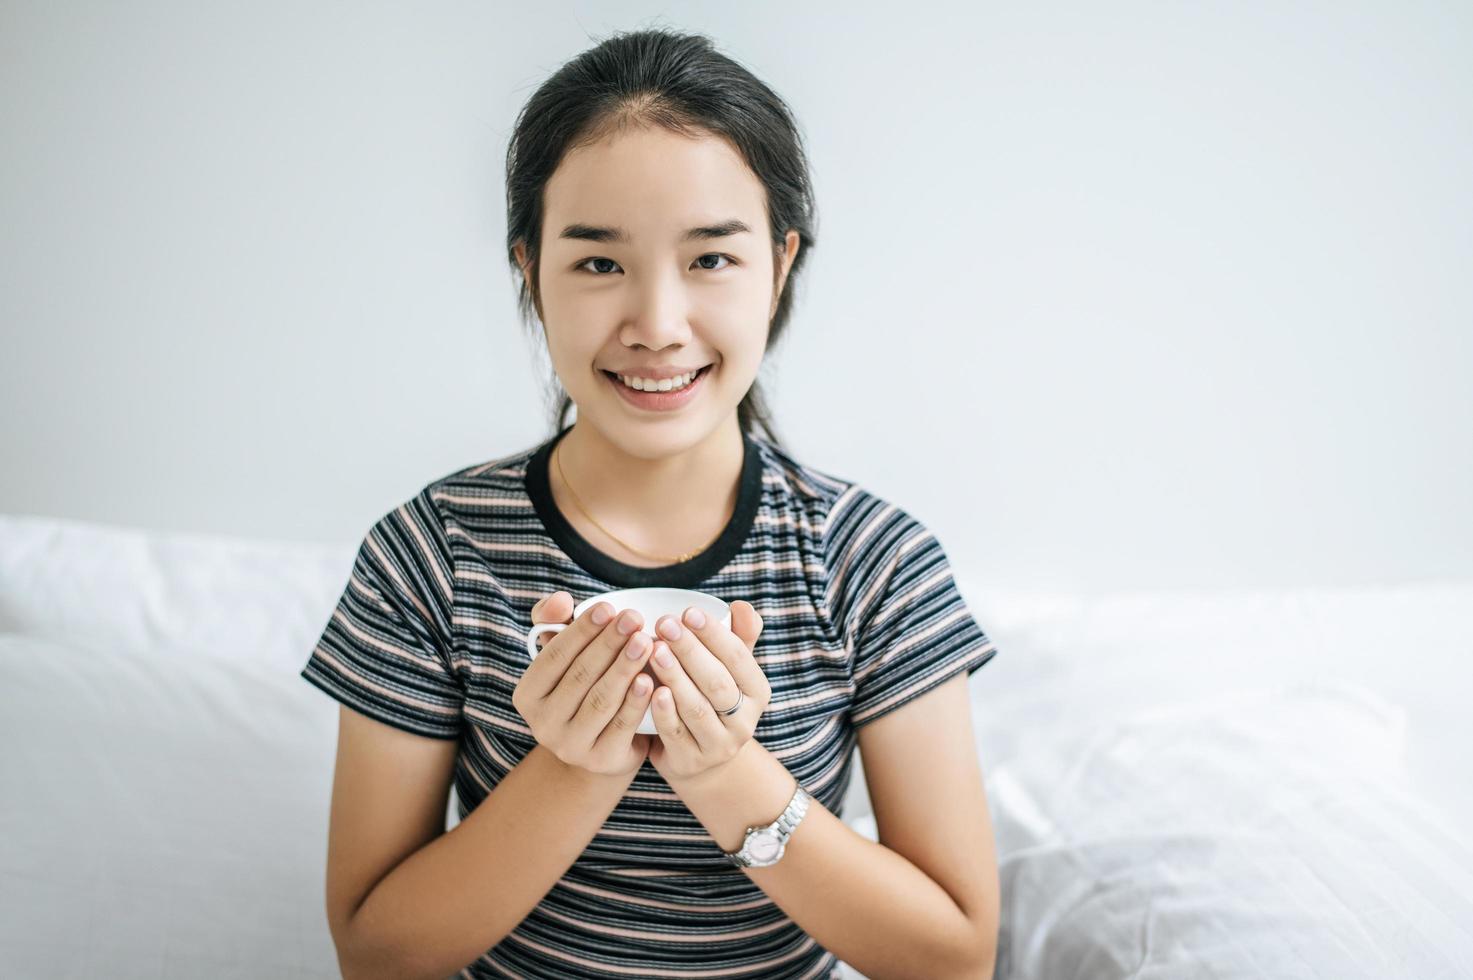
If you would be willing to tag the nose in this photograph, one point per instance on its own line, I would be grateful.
(660, 315)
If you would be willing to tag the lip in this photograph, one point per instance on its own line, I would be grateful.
(660, 401)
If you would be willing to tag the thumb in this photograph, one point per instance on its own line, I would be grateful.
(746, 623)
(555, 608)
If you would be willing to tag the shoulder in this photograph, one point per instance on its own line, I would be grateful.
(800, 480)
(477, 485)
(862, 532)
(426, 532)
(470, 495)
(837, 502)
(864, 518)
(849, 513)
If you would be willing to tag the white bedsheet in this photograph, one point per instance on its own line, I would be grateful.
(1226, 785)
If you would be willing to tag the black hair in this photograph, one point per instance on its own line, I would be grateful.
(680, 82)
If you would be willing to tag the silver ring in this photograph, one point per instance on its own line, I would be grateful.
(741, 699)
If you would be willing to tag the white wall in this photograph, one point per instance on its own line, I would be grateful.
(1140, 294)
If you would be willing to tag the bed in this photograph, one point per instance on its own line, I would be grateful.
(1215, 784)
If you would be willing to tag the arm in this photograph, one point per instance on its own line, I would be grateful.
(866, 902)
(457, 896)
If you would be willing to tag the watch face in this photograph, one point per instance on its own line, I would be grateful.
(763, 846)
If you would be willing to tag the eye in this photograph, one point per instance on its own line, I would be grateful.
(717, 255)
(706, 268)
(594, 259)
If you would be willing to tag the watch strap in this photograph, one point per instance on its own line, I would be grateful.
(782, 827)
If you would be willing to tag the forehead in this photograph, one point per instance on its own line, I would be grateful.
(654, 183)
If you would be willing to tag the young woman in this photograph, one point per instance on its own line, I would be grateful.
(659, 211)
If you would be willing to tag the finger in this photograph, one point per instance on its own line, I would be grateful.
(734, 650)
(746, 623)
(555, 608)
(706, 729)
(625, 722)
(603, 701)
(547, 668)
(588, 667)
(673, 734)
(709, 673)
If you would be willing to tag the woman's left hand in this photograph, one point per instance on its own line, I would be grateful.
(711, 663)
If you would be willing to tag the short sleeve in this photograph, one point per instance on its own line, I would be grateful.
(913, 630)
(386, 649)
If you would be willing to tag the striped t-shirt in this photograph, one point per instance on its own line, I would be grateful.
(860, 615)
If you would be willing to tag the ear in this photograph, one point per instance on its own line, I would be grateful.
(790, 252)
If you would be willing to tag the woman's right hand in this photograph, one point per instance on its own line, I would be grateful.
(577, 694)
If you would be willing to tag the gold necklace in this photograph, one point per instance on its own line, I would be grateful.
(558, 458)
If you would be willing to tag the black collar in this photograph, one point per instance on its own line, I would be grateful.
(682, 575)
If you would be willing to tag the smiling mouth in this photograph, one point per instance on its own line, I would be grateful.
(655, 391)
(672, 400)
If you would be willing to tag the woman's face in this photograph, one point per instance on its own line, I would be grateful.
(623, 287)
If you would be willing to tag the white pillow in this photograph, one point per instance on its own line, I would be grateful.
(133, 592)
(1257, 834)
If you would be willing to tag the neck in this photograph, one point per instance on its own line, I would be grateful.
(663, 504)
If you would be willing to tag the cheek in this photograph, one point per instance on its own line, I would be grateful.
(739, 362)
(571, 359)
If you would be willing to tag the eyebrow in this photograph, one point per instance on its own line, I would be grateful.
(594, 233)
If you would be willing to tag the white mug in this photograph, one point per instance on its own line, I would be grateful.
(651, 603)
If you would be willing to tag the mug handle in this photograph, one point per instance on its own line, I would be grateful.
(537, 630)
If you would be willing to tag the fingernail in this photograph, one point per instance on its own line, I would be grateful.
(695, 617)
(664, 657)
(635, 648)
(628, 623)
(669, 629)
(602, 614)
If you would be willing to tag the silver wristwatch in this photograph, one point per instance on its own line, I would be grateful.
(764, 846)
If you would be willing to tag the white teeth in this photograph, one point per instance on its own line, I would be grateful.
(668, 384)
